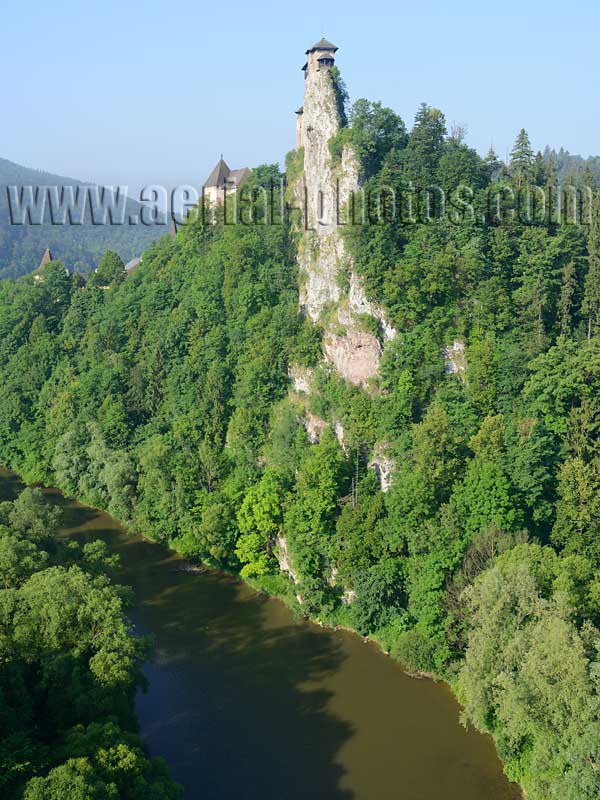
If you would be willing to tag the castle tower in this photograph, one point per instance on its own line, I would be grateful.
(326, 183)
(320, 56)
(317, 121)
(319, 95)
(223, 180)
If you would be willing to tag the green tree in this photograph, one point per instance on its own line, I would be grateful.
(309, 520)
(425, 146)
(527, 677)
(567, 298)
(375, 131)
(259, 520)
(484, 500)
(577, 526)
(521, 159)
(109, 272)
(379, 596)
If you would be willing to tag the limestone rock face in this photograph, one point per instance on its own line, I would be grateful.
(383, 466)
(338, 429)
(359, 304)
(355, 355)
(454, 357)
(301, 378)
(314, 427)
(324, 192)
(283, 558)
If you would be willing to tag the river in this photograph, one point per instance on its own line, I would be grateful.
(247, 702)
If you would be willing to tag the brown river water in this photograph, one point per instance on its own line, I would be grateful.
(245, 701)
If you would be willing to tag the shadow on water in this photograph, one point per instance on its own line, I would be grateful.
(232, 704)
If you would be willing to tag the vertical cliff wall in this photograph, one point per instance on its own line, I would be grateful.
(323, 190)
(321, 249)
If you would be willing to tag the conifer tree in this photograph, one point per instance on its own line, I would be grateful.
(493, 164)
(521, 158)
(551, 187)
(587, 178)
(425, 145)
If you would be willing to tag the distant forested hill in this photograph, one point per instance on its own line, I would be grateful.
(572, 167)
(79, 247)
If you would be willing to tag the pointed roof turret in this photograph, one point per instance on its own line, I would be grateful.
(46, 258)
(324, 44)
(218, 177)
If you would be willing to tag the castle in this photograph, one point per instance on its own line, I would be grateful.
(223, 180)
(319, 57)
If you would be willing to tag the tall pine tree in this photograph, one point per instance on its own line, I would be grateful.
(522, 158)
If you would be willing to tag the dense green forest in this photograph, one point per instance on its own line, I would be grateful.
(164, 397)
(69, 668)
(79, 246)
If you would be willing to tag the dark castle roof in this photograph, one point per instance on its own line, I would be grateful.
(218, 177)
(238, 176)
(324, 44)
(223, 176)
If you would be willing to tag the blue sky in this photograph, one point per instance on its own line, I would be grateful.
(150, 92)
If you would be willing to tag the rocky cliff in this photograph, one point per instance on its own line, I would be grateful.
(324, 189)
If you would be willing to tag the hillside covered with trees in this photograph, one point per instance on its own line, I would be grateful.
(164, 397)
(79, 246)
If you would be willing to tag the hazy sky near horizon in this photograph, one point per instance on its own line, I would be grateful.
(138, 93)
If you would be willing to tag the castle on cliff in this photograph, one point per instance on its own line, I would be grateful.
(323, 190)
(321, 56)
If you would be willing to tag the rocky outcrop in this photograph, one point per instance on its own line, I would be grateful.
(283, 558)
(355, 355)
(358, 304)
(454, 358)
(301, 378)
(314, 427)
(348, 597)
(383, 465)
(326, 189)
(338, 429)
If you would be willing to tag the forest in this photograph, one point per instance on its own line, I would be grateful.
(164, 398)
